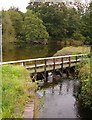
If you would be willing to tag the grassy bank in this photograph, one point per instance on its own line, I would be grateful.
(15, 91)
(73, 50)
(86, 89)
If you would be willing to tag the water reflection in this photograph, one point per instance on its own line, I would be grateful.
(60, 91)
(59, 100)
(26, 51)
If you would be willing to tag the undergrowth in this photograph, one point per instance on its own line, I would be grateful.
(86, 89)
(15, 91)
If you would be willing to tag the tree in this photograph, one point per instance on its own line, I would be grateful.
(8, 32)
(86, 29)
(73, 24)
(53, 18)
(61, 21)
(33, 28)
(17, 21)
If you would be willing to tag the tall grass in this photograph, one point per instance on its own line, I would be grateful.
(15, 91)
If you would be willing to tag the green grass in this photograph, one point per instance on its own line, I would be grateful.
(73, 50)
(15, 91)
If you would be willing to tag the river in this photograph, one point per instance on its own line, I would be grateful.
(27, 51)
(59, 101)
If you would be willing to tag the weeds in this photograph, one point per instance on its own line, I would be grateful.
(15, 91)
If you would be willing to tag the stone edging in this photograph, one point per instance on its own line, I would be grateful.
(29, 110)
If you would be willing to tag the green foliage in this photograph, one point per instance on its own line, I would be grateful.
(33, 28)
(86, 29)
(86, 89)
(8, 29)
(44, 21)
(17, 21)
(54, 21)
(60, 20)
(78, 36)
(15, 90)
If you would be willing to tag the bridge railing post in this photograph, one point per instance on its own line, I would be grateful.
(76, 59)
(62, 65)
(22, 64)
(69, 62)
(35, 69)
(54, 65)
(82, 57)
(69, 67)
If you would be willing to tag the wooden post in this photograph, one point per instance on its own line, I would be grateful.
(76, 59)
(54, 65)
(22, 64)
(45, 69)
(35, 69)
(62, 66)
(69, 65)
(81, 57)
(69, 62)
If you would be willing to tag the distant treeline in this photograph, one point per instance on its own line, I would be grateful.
(45, 22)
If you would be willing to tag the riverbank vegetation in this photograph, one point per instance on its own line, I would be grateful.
(71, 50)
(85, 95)
(16, 90)
(47, 21)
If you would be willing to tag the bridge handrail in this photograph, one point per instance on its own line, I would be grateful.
(38, 59)
(50, 64)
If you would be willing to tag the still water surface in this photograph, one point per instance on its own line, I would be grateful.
(27, 51)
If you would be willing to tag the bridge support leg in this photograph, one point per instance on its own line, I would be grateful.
(35, 70)
(68, 72)
(46, 75)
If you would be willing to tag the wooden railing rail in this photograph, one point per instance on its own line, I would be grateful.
(40, 59)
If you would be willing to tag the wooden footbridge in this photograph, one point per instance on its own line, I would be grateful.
(48, 63)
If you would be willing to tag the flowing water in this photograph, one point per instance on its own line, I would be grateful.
(59, 101)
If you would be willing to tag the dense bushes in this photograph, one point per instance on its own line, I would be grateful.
(15, 90)
(86, 89)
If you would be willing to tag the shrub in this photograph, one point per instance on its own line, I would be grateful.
(86, 89)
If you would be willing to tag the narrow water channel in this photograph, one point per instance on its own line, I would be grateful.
(59, 101)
